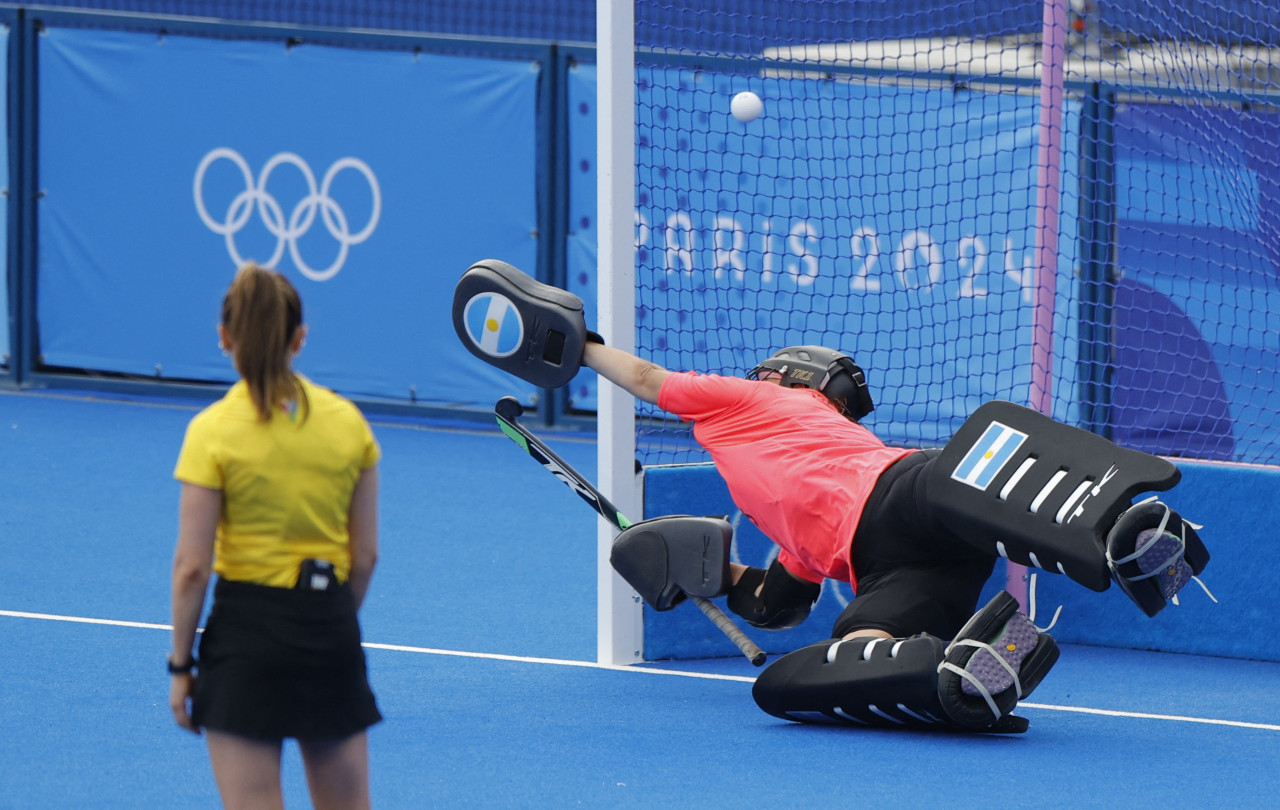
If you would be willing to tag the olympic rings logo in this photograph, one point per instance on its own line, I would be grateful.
(287, 231)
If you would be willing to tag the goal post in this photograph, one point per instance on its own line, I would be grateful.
(619, 617)
(1064, 204)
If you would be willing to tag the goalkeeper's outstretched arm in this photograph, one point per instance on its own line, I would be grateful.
(641, 378)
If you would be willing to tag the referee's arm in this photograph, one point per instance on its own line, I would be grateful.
(362, 529)
(199, 509)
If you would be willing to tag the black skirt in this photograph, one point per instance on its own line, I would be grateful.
(277, 663)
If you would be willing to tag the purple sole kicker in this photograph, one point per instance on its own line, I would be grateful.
(1176, 573)
(1018, 639)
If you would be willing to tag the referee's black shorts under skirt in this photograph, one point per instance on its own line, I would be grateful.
(279, 663)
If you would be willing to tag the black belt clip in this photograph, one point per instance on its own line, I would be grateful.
(317, 575)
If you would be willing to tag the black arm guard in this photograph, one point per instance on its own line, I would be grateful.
(784, 601)
(742, 595)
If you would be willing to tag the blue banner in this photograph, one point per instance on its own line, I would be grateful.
(896, 223)
(5, 359)
(581, 238)
(1197, 303)
(371, 178)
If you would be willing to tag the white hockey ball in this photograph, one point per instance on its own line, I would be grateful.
(746, 106)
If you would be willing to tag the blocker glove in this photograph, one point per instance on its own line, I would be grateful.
(518, 324)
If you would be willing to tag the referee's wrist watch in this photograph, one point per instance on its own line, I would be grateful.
(180, 669)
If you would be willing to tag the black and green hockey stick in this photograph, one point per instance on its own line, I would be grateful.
(508, 411)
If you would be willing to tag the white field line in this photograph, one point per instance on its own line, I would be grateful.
(558, 662)
(17, 614)
(1146, 716)
(644, 670)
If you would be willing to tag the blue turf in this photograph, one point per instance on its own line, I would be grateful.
(483, 551)
(471, 527)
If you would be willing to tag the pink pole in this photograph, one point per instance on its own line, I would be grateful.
(1049, 171)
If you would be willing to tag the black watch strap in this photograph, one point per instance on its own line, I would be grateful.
(180, 669)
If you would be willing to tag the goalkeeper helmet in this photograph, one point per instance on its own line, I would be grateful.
(832, 372)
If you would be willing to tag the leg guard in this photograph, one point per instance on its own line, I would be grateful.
(1038, 492)
(916, 682)
(870, 682)
(668, 558)
(522, 326)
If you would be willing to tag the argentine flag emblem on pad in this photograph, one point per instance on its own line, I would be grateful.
(493, 324)
(989, 454)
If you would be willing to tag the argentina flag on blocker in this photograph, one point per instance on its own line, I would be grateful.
(494, 324)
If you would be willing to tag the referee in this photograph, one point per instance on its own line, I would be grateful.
(279, 499)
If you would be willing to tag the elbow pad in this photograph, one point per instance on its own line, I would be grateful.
(784, 601)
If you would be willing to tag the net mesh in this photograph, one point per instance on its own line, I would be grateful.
(892, 200)
(1098, 242)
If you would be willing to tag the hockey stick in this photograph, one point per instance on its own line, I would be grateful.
(508, 411)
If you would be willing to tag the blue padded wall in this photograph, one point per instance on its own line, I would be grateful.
(1235, 504)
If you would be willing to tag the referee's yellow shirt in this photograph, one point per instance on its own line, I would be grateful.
(286, 484)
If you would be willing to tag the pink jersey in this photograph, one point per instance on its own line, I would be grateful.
(797, 468)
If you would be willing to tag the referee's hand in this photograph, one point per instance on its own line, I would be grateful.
(179, 697)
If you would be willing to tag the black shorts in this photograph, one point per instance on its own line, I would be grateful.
(277, 663)
(914, 576)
